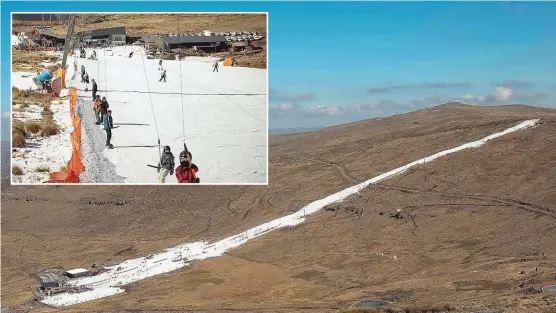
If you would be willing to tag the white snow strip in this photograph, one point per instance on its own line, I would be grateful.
(177, 257)
(64, 299)
(77, 271)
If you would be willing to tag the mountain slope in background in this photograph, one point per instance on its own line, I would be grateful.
(478, 226)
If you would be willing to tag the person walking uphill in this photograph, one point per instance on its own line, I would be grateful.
(108, 125)
(166, 165)
(215, 67)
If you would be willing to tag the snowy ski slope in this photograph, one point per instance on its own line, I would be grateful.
(110, 283)
(226, 131)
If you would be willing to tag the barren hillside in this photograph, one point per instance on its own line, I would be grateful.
(478, 228)
(144, 24)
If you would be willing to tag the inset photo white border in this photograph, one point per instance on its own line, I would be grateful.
(147, 113)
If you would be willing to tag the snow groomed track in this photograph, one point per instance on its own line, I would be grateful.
(225, 118)
(111, 282)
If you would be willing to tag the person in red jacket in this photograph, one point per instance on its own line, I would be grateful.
(186, 172)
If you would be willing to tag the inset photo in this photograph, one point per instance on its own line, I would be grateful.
(139, 99)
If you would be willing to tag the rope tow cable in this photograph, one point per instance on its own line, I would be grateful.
(181, 93)
(151, 100)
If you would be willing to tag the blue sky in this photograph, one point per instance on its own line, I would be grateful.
(334, 62)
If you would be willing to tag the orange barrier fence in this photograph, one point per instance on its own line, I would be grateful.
(74, 167)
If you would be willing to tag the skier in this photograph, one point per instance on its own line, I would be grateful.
(103, 107)
(131, 54)
(108, 128)
(160, 65)
(96, 108)
(186, 171)
(95, 89)
(86, 81)
(163, 76)
(215, 67)
(166, 165)
(82, 73)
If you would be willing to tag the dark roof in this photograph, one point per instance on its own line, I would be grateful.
(104, 32)
(194, 39)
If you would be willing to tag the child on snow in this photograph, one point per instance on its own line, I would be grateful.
(166, 165)
(215, 67)
(186, 172)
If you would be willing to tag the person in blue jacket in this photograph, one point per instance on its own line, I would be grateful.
(108, 125)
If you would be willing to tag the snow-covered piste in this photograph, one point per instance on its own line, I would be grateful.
(110, 282)
(224, 120)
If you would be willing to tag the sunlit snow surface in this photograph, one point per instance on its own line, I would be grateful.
(225, 118)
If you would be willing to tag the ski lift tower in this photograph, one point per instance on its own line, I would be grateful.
(68, 40)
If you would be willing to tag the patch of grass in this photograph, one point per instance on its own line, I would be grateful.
(21, 96)
(18, 134)
(370, 310)
(16, 170)
(30, 61)
(32, 127)
(429, 308)
(168, 56)
(49, 128)
(42, 169)
(46, 112)
(18, 140)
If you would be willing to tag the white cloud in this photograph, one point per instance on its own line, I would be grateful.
(325, 110)
(285, 106)
(503, 93)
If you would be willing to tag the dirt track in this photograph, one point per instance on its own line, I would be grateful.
(473, 222)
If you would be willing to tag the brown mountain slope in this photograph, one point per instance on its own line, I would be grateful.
(150, 24)
(479, 226)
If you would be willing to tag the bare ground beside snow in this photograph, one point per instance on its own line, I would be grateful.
(479, 224)
(41, 154)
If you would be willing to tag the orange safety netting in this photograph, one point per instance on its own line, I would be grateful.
(62, 74)
(228, 62)
(74, 167)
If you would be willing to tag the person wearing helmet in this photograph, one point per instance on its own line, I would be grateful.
(166, 165)
(186, 172)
